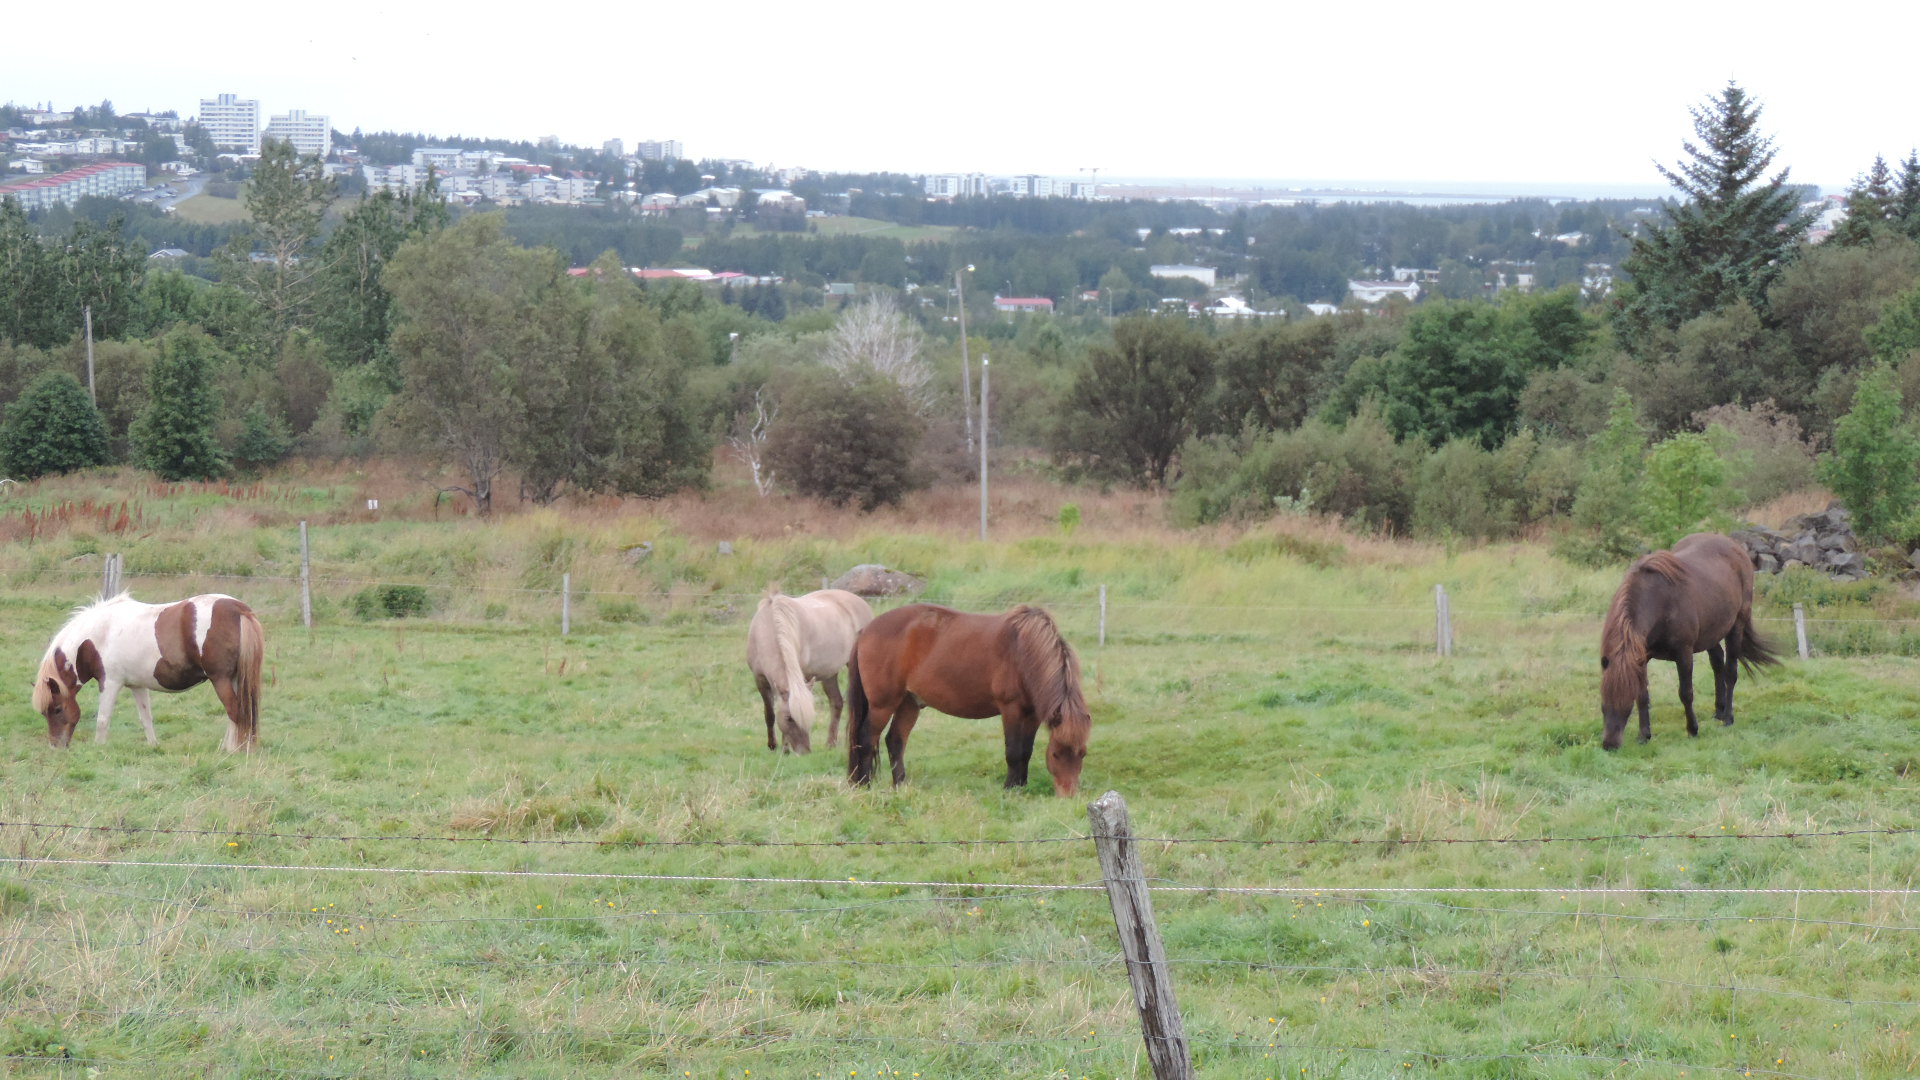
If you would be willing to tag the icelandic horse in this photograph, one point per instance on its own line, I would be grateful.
(1671, 605)
(120, 642)
(1014, 665)
(794, 640)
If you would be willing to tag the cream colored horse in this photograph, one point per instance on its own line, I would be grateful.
(797, 639)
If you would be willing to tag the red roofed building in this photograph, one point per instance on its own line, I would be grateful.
(105, 178)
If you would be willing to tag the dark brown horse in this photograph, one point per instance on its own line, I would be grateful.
(1014, 665)
(1674, 604)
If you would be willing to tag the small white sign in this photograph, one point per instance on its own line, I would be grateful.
(373, 504)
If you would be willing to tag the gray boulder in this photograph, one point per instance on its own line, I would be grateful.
(872, 579)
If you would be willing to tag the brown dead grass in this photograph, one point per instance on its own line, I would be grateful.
(1776, 512)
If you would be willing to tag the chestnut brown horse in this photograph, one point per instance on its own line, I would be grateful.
(1014, 665)
(1671, 605)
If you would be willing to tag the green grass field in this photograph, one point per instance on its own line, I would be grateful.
(418, 913)
(858, 226)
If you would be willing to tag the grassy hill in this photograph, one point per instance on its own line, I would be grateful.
(472, 846)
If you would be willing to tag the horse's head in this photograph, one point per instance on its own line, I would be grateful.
(1067, 747)
(56, 696)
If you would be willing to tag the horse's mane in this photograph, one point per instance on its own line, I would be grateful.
(51, 670)
(785, 617)
(1050, 671)
(1623, 645)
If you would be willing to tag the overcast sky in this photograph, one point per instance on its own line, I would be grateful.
(1387, 91)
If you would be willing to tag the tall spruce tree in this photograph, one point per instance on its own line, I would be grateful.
(1729, 240)
(1872, 201)
(173, 436)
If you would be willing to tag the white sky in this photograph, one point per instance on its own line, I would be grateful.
(1387, 91)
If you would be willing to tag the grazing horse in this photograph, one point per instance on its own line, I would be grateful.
(172, 647)
(1014, 665)
(794, 639)
(1671, 605)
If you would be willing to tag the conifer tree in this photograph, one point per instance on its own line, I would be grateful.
(173, 436)
(1729, 240)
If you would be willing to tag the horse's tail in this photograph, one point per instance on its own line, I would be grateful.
(246, 678)
(797, 723)
(1623, 652)
(859, 723)
(1051, 673)
(1755, 650)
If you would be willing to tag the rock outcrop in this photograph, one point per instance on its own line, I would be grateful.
(872, 579)
(1822, 541)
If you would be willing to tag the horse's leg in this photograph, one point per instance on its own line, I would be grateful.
(1019, 727)
(903, 721)
(109, 690)
(1736, 644)
(1646, 709)
(1720, 689)
(145, 706)
(237, 738)
(761, 684)
(1684, 664)
(832, 685)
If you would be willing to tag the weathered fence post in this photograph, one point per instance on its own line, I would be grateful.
(566, 604)
(1442, 622)
(110, 576)
(1103, 616)
(1160, 1023)
(1800, 628)
(306, 580)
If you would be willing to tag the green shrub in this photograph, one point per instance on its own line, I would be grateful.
(390, 601)
(52, 428)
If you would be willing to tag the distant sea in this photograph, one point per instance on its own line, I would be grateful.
(1412, 192)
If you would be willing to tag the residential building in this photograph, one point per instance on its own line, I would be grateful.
(956, 185)
(1023, 304)
(662, 150)
(439, 158)
(311, 136)
(615, 147)
(106, 178)
(1202, 274)
(232, 122)
(1372, 292)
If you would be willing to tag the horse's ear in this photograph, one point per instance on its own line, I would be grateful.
(1603, 663)
(54, 687)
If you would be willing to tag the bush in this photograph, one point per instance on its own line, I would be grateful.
(846, 442)
(264, 440)
(1767, 454)
(52, 428)
(1686, 482)
(1356, 471)
(1875, 454)
(173, 436)
(390, 602)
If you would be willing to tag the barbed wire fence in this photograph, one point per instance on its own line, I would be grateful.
(170, 913)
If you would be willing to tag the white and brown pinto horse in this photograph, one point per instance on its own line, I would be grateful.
(794, 640)
(169, 647)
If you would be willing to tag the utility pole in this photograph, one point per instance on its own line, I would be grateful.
(87, 312)
(966, 368)
(985, 359)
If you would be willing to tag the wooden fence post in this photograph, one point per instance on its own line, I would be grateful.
(306, 580)
(1800, 628)
(1160, 1023)
(110, 576)
(1103, 616)
(566, 604)
(1442, 622)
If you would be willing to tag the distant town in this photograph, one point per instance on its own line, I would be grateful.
(56, 158)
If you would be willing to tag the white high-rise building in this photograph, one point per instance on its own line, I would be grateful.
(232, 121)
(659, 150)
(310, 135)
